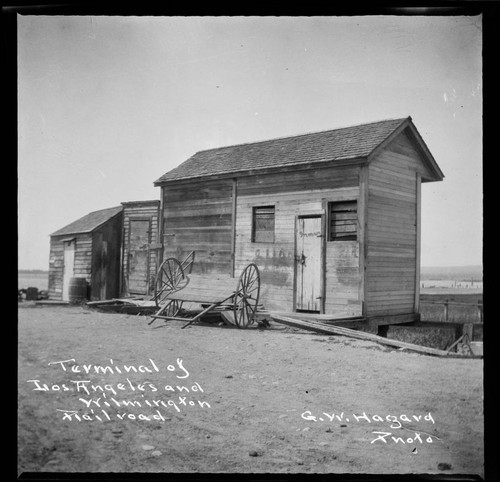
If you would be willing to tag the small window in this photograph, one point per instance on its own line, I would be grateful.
(263, 224)
(343, 221)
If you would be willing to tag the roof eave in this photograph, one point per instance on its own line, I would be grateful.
(404, 124)
(439, 175)
(137, 203)
(87, 231)
(70, 233)
(352, 161)
(424, 150)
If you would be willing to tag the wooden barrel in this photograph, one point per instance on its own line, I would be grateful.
(31, 293)
(77, 290)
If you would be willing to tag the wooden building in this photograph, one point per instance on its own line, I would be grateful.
(332, 218)
(87, 248)
(140, 247)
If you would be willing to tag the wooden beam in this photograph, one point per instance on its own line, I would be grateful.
(295, 270)
(324, 231)
(418, 211)
(376, 321)
(122, 258)
(161, 215)
(233, 224)
(363, 234)
(337, 330)
(150, 203)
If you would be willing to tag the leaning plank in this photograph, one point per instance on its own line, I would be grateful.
(336, 330)
(123, 301)
(101, 302)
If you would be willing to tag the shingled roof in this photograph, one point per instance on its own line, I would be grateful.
(89, 222)
(339, 144)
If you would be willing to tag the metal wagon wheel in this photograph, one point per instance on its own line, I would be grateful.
(246, 297)
(170, 278)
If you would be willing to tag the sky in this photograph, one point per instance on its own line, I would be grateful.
(106, 105)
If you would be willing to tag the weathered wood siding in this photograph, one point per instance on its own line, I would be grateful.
(105, 268)
(293, 194)
(198, 217)
(343, 297)
(82, 265)
(391, 256)
(140, 210)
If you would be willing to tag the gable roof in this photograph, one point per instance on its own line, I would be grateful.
(348, 143)
(89, 222)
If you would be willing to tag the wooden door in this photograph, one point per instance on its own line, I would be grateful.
(309, 264)
(69, 267)
(138, 262)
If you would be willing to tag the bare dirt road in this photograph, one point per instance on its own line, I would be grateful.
(211, 399)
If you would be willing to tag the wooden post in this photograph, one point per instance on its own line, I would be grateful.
(382, 330)
(480, 308)
(233, 226)
(363, 233)
(446, 310)
(468, 329)
(161, 217)
(295, 267)
(417, 236)
(458, 332)
(324, 234)
(122, 258)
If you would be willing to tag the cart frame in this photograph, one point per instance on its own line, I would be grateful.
(175, 284)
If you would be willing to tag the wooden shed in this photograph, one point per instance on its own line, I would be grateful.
(87, 248)
(140, 247)
(332, 218)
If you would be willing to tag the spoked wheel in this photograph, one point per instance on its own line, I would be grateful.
(246, 297)
(170, 278)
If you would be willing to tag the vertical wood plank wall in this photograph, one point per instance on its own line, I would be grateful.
(391, 265)
(198, 217)
(140, 210)
(294, 194)
(343, 295)
(106, 271)
(82, 266)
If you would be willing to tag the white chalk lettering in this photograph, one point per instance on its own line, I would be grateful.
(103, 400)
(81, 384)
(307, 415)
(383, 436)
(395, 422)
(428, 418)
(62, 362)
(364, 416)
(179, 362)
(43, 387)
(69, 414)
(109, 369)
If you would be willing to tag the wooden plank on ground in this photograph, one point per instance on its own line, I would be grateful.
(337, 330)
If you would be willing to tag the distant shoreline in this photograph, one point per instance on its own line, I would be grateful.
(33, 271)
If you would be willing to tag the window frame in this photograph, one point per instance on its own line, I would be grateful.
(255, 210)
(351, 237)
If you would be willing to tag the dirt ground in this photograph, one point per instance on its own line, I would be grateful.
(275, 400)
